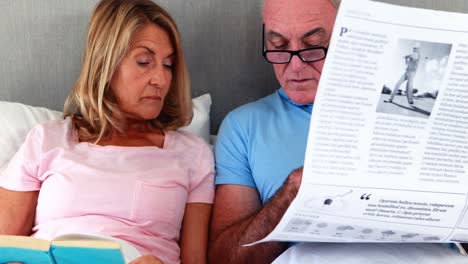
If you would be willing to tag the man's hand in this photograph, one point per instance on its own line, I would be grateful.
(239, 218)
(294, 180)
(291, 185)
(147, 259)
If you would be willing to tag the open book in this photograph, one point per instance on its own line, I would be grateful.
(68, 249)
(387, 152)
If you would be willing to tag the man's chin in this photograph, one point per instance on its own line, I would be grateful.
(301, 96)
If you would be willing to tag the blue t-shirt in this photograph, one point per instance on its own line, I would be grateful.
(261, 143)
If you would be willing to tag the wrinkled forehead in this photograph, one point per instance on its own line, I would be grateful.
(298, 12)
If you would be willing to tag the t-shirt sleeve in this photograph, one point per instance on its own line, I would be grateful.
(231, 152)
(202, 180)
(21, 173)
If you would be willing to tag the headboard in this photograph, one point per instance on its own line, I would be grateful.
(41, 47)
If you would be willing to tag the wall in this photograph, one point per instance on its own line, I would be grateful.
(41, 47)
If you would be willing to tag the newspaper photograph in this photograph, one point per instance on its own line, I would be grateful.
(388, 144)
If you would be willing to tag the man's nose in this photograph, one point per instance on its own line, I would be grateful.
(296, 63)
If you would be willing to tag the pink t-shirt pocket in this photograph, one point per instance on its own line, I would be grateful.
(156, 202)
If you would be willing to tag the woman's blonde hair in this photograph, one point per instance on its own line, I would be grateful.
(91, 103)
(336, 3)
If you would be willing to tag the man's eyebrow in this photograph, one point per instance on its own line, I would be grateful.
(315, 31)
(274, 34)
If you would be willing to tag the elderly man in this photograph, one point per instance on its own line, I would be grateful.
(261, 145)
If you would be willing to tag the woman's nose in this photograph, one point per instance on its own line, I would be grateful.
(158, 76)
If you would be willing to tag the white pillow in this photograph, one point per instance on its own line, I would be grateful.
(200, 124)
(17, 119)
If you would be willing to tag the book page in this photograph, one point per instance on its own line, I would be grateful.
(129, 252)
(24, 242)
(387, 147)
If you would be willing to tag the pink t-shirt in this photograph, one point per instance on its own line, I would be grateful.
(137, 194)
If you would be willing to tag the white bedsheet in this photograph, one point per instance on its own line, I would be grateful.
(354, 253)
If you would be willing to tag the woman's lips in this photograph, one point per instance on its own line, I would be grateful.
(158, 98)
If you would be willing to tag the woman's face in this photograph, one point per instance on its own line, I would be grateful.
(142, 79)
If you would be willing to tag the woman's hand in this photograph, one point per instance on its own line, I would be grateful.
(147, 259)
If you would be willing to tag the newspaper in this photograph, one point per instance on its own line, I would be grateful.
(388, 144)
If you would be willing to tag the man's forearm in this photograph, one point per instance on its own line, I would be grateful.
(228, 247)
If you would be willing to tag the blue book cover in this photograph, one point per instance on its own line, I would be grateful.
(29, 250)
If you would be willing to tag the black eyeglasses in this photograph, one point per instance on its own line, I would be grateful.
(284, 56)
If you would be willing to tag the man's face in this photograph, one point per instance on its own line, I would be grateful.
(296, 25)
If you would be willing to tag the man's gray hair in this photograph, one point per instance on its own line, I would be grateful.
(336, 3)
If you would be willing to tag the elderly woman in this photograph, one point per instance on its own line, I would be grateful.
(115, 165)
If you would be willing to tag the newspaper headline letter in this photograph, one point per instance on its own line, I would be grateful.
(387, 151)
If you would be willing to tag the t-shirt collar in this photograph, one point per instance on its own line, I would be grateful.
(285, 97)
